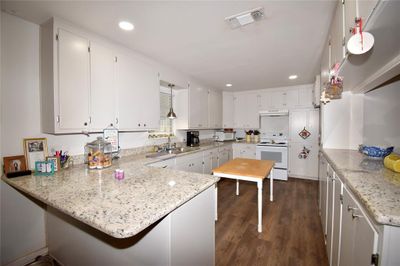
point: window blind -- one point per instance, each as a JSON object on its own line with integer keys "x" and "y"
{"x": 165, "y": 123}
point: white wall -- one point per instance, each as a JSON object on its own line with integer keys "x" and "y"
{"x": 382, "y": 116}
{"x": 342, "y": 122}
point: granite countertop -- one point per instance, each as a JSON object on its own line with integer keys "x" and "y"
{"x": 118, "y": 208}
{"x": 377, "y": 188}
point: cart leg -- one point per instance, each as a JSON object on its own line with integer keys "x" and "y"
{"x": 259, "y": 186}
{"x": 271, "y": 185}
{"x": 216, "y": 202}
{"x": 237, "y": 187}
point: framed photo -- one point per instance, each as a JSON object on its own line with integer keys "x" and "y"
{"x": 14, "y": 164}
{"x": 56, "y": 162}
{"x": 35, "y": 150}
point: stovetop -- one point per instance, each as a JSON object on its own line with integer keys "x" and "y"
{"x": 273, "y": 143}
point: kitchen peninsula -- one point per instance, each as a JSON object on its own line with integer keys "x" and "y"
{"x": 104, "y": 221}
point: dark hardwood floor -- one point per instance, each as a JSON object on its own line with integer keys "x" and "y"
{"x": 292, "y": 231}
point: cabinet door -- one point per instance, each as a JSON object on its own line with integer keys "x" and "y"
{"x": 103, "y": 87}
{"x": 198, "y": 106}
{"x": 215, "y": 109}
{"x": 365, "y": 239}
{"x": 337, "y": 220}
{"x": 305, "y": 97}
{"x": 348, "y": 231}
{"x": 350, "y": 14}
{"x": 138, "y": 95}
{"x": 227, "y": 109}
{"x": 292, "y": 99}
{"x": 307, "y": 167}
{"x": 278, "y": 100}
{"x": 337, "y": 34}
{"x": 73, "y": 81}
{"x": 207, "y": 163}
{"x": 323, "y": 192}
{"x": 304, "y": 118}
{"x": 197, "y": 165}
{"x": 223, "y": 157}
{"x": 246, "y": 111}
{"x": 215, "y": 159}
{"x": 325, "y": 65}
{"x": 248, "y": 152}
{"x": 265, "y": 101}
{"x": 330, "y": 214}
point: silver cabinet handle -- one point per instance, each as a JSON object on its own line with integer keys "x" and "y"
{"x": 165, "y": 166}
{"x": 356, "y": 216}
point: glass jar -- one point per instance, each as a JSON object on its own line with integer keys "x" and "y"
{"x": 98, "y": 154}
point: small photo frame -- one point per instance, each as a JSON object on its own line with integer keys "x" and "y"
{"x": 45, "y": 168}
{"x": 14, "y": 164}
{"x": 35, "y": 150}
{"x": 56, "y": 162}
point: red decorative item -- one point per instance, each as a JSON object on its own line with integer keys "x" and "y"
{"x": 304, "y": 133}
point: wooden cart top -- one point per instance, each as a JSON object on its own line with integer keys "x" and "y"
{"x": 246, "y": 167}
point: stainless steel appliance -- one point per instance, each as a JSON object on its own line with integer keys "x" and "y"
{"x": 224, "y": 136}
{"x": 192, "y": 138}
{"x": 275, "y": 149}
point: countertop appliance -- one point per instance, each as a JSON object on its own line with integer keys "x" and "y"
{"x": 224, "y": 136}
{"x": 282, "y": 112}
{"x": 275, "y": 148}
{"x": 192, "y": 138}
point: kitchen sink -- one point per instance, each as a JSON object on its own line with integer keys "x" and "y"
{"x": 173, "y": 151}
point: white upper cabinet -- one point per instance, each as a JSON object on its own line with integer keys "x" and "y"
{"x": 290, "y": 98}
{"x": 227, "y": 109}
{"x": 215, "y": 109}
{"x": 88, "y": 84}
{"x": 103, "y": 89}
{"x": 138, "y": 95}
{"x": 337, "y": 35}
{"x": 198, "y": 106}
{"x": 246, "y": 113}
{"x": 73, "y": 81}
{"x": 325, "y": 65}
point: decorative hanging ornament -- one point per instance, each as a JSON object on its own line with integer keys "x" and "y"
{"x": 304, "y": 133}
{"x": 361, "y": 42}
{"x": 304, "y": 153}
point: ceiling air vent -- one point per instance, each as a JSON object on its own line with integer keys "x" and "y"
{"x": 245, "y": 18}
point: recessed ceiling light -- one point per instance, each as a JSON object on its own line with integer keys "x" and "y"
{"x": 293, "y": 77}
{"x": 125, "y": 25}
{"x": 228, "y": 85}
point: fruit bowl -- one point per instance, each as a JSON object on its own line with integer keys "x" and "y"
{"x": 375, "y": 151}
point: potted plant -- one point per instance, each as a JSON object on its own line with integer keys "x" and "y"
{"x": 248, "y": 135}
{"x": 256, "y": 136}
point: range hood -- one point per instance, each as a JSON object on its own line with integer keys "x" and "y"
{"x": 274, "y": 113}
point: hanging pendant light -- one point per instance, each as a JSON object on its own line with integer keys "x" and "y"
{"x": 171, "y": 115}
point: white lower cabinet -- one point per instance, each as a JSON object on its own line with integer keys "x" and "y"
{"x": 359, "y": 237}
{"x": 241, "y": 150}
{"x": 190, "y": 163}
{"x": 351, "y": 237}
{"x": 210, "y": 160}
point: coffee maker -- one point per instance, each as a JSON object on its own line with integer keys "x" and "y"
{"x": 192, "y": 138}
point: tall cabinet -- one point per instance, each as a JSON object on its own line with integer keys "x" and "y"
{"x": 299, "y": 120}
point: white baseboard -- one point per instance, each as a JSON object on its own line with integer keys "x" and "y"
{"x": 304, "y": 177}
{"x": 29, "y": 257}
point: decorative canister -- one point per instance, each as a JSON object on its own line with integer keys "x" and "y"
{"x": 98, "y": 154}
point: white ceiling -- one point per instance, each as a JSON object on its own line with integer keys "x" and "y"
{"x": 193, "y": 37}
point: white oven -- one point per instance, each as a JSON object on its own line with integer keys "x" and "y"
{"x": 277, "y": 153}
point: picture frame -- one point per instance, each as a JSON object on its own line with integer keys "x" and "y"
{"x": 35, "y": 149}
{"x": 56, "y": 161}
{"x": 13, "y": 164}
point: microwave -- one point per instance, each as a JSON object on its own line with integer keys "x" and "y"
{"x": 224, "y": 136}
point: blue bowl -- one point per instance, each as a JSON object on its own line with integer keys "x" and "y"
{"x": 376, "y": 152}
